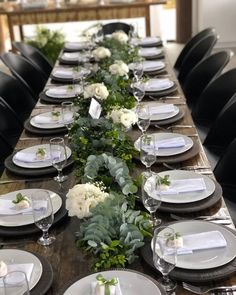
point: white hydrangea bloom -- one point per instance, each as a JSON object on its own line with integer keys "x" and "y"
{"x": 99, "y": 90}
{"x": 119, "y": 68}
{"x": 121, "y": 36}
{"x": 124, "y": 116}
{"x": 101, "y": 52}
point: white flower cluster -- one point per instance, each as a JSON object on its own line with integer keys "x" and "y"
{"x": 82, "y": 197}
{"x": 124, "y": 116}
{"x": 119, "y": 68}
{"x": 101, "y": 52}
{"x": 98, "y": 90}
{"x": 121, "y": 36}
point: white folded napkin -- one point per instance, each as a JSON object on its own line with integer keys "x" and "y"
{"x": 74, "y": 56}
{"x": 43, "y": 119}
{"x": 63, "y": 91}
{"x": 153, "y": 65}
{"x": 163, "y": 109}
{"x": 31, "y": 157}
{"x": 63, "y": 73}
{"x": 149, "y": 40}
{"x": 151, "y": 51}
{"x": 8, "y": 208}
{"x": 170, "y": 143}
{"x": 77, "y": 45}
{"x": 184, "y": 185}
{"x": 27, "y": 268}
{"x": 114, "y": 290}
{"x": 157, "y": 84}
{"x": 202, "y": 241}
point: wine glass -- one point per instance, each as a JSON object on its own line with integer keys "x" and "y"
{"x": 165, "y": 254}
{"x": 138, "y": 90}
{"x": 68, "y": 113}
{"x": 15, "y": 282}
{"x": 138, "y": 69}
{"x": 58, "y": 157}
{"x": 43, "y": 215}
{"x": 143, "y": 115}
{"x": 148, "y": 151}
{"x": 148, "y": 188}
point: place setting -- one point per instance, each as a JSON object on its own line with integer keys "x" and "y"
{"x": 151, "y": 53}
{"x": 147, "y": 41}
{"x": 157, "y": 87}
{"x": 40, "y": 160}
{"x": 24, "y": 272}
{"x": 57, "y": 121}
{"x": 118, "y": 281}
{"x": 18, "y": 216}
{"x": 198, "y": 251}
{"x": 78, "y": 46}
{"x": 69, "y": 75}
{"x": 150, "y": 67}
{"x": 75, "y": 58}
{"x": 58, "y": 94}
{"x": 165, "y": 147}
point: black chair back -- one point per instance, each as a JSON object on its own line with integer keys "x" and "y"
{"x": 14, "y": 93}
{"x": 203, "y": 73}
{"x": 214, "y": 98}
{"x": 35, "y": 57}
{"x": 110, "y": 28}
{"x": 25, "y": 72}
{"x": 5, "y": 151}
{"x": 190, "y": 44}
{"x": 201, "y": 49}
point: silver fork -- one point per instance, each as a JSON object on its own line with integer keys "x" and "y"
{"x": 206, "y": 289}
{"x": 173, "y": 127}
{"x": 185, "y": 167}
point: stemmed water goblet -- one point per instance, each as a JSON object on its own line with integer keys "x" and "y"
{"x": 148, "y": 151}
{"x": 138, "y": 69}
{"x": 165, "y": 255}
{"x": 43, "y": 215}
{"x": 143, "y": 115}
{"x": 148, "y": 189}
{"x": 68, "y": 114}
{"x": 138, "y": 90}
{"x": 58, "y": 157}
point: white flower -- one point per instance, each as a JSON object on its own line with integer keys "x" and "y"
{"x": 124, "y": 116}
{"x": 82, "y": 197}
{"x": 101, "y": 52}
{"x": 119, "y": 68}
{"x": 121, "y": 36}
{"x": 99, "y": 90}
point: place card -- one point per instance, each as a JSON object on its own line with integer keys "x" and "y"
{"x": 95, "y": 109}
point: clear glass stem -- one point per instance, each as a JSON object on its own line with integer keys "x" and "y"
{"x": 45, "y": 234}
{"x": 60, "y": 175}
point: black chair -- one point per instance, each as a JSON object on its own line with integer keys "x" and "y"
{"x": 25, "y": 72}
{"x": 6, "y": 150}
{"x": 225, "y": 175}
{"x": 203, "y": 73}
{"x": 190, "y": 44}
{"x": 35, "y": 57}
{"x": 10, "y": 126}
{"x": 214, "y": 98}
{"x": 222, "y": 132}
{"x": 201, "y": 49}
{"x": 110, "y": 28}
{"x": 14, "y": 93}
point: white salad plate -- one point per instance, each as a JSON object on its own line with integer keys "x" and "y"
{"x": 148, "y": 41}
{"x": 131, "y": 283}
{"x": 65, "y": 91}
{"x": 150, "y": 51}
{"x": 14, "y": 256}
{"x": 165, "y": 152}
{"x": 155, "y": 85}
{"x": 208, "y": 258}
{"x": 183, "y": 197}
{"x": 53, "y": 125}
{"x": 24, "y": 219}
{"x": 38, "y": 164}
{"x": 161, "y": 116}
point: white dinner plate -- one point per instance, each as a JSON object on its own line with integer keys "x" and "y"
{"x": 65, "y": 91}
{"x": 41, "y": 164}
{"x": 186, "y": 197}
{"x": 53, "y": 125}
{"x": 163, "y": 116}
{"x": 150, "y": 51}
{"x": 150, "y": 66}
{"x": 14, "y": 256}
{"x": 131, "y": 283}
{"x": 25, "y": 219}
{"x": 210, "y": 258}
{"x": 165, "y": 152}
{"x": 147, "y": 41}
{"x": 77, "y": 45}
{"x": 74, "y": 56}
{"x": 155, "y": 85}
{"x": 67, "y": 73}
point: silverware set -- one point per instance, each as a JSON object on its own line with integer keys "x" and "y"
{"x": 194, "y": 167}
{"x": 223, "y": 220}
{"x": 205, "y": 289}
{"x": 24, "y": 180}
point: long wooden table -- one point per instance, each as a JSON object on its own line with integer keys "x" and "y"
{"x": 67, "y": 261}
{"x": 66, "y": 12}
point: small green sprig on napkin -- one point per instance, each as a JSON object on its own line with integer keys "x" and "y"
{"x": 165, "y": 180}
{"x": 107, "y": 283}
{"x": 19, "y": 198}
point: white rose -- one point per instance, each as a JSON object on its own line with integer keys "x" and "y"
{"x": 115, "y": 115}
{"x": 128, "y": 118}
{"x": 119, "y": 68}
{"x": 101, "y": 52}
{"x": 99, "y": 90}
{"x": 121, "y": 36}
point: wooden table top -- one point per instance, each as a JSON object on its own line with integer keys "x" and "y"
{"x": 67, "y": 261}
